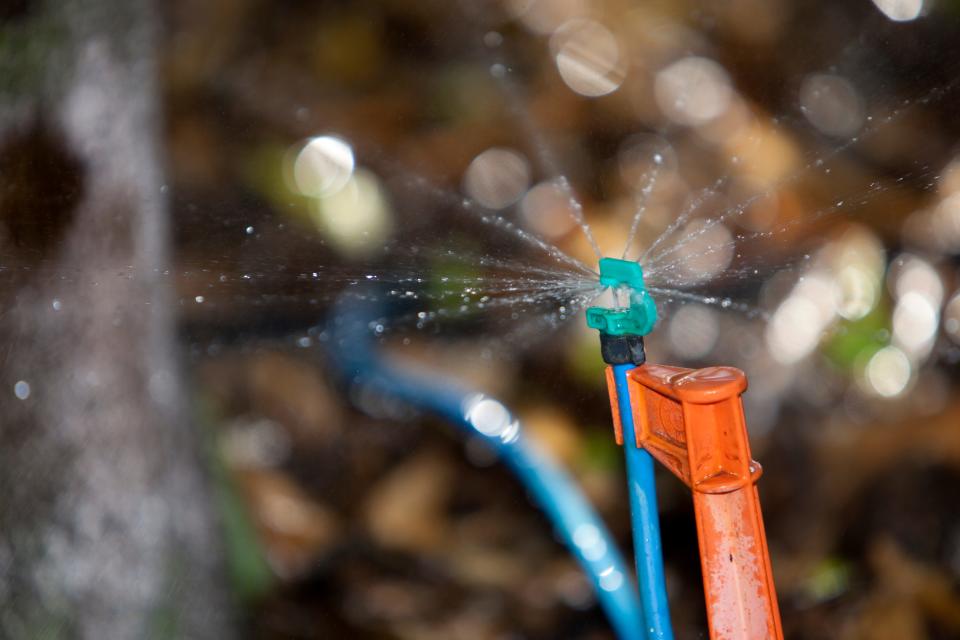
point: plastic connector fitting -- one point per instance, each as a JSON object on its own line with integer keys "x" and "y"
{"x": 637, "y": 319}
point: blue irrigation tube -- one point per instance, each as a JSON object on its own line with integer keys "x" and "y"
{"x": 576, "y": 523}
{"x": 644, "y": 518}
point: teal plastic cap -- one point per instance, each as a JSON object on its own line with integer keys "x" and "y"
{"x": 637, "y": 319}
{"x": 621, "y": 273}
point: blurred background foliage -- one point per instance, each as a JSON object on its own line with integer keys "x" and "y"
{"x": 304, "y": 136}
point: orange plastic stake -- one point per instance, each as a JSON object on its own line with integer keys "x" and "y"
{"x": 692, "y": 422}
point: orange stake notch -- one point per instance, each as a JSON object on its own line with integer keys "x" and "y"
{"x": 692, "y": 422}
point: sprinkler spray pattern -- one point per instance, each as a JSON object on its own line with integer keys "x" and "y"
{"x": 500, "y": 268}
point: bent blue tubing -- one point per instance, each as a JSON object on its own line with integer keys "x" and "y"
{"x": 551, "y": 488}
{"x": 644, "y": 518}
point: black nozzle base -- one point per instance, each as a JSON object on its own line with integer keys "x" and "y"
{"x": 622, "y": 349}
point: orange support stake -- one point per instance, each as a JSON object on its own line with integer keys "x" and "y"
{"x": 692, "y": 422}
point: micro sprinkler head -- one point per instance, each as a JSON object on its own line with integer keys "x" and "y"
{"x": 622, "y": 328}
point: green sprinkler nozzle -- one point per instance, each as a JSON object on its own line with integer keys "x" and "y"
{"x": 639, "y": 317}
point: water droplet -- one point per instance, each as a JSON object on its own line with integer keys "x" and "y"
{"x": 21, "y": 389}
{"x": 249, "y": 230}
{"x": 56, "y": 304}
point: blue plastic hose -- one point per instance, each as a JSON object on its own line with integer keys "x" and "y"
{"x": 644, "y": 519}
{"x": 576, "y": 523}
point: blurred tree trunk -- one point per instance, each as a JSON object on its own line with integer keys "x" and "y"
{"x": 106, "y": 529}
